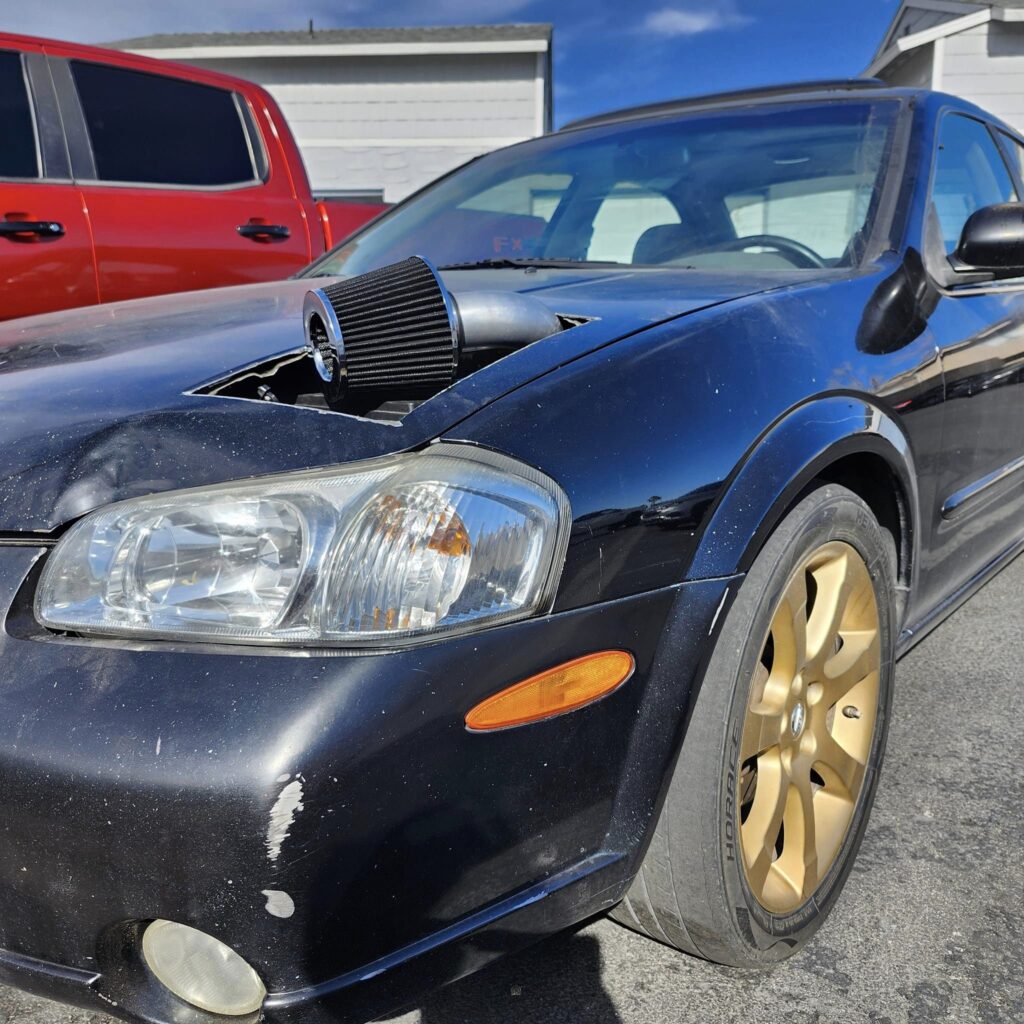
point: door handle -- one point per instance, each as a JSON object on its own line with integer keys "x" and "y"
{"x": 264, "y": 232}
{"x": 38, "y": 228}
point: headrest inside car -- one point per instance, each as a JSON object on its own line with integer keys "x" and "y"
{"x": 662, "y": 243}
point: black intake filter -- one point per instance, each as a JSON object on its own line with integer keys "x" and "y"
{"x": 391, "y": 331}
{"x": 397, "y": 333}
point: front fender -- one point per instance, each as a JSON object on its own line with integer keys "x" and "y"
{"x": 681, "y": 445}
{"x": 795, "y": 450}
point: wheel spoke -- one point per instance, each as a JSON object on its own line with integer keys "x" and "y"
{"x": 857, "y": 659}
{"x": 758, "y": 868}
{"x": 789, "y": 629}
{"x": 840, "y": 764}
{"x": 759, "y": 832}
{"x": 835, "y": 582}
{"x": 805, "y": 795}
{"x": 762, "y": 730}
{"x": 798, "y": 864}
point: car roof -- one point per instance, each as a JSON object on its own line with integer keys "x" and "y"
{"x": 772, "y": 94}
{"x": 124, "y": 59}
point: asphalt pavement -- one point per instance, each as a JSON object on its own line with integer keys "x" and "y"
{"x": 930, "y": 927}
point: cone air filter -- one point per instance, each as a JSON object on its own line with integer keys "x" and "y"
{"x": 390, "y": 331}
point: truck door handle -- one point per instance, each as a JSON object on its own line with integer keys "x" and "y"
{"x": 38, "y": 228}
{"x": 264, "y": 232}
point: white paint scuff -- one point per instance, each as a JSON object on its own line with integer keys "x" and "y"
{"x": 718, "y": 611}
{"x": 279, "y": 903}
{"x": 282, "y": 817}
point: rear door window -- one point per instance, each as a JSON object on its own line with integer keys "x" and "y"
{"x": 155, "y": 130}
{"x": 19, "y": 155}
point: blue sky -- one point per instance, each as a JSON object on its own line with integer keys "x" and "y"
{"x": 608, "y": 53}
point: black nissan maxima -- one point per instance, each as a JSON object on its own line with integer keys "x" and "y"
{"x": 545, "y": 549}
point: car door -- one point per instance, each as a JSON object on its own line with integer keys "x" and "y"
{"x": 182, "y": 193}
{"x": 46, "y": 255}
{"x": 980, "y": 333}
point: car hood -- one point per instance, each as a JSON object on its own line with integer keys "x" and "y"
{"x": 100, "y": 404}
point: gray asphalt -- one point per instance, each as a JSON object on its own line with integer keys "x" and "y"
{"x": 930, "y": 927}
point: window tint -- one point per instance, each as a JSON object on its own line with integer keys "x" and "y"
{"x": 18, "y": 157}
{"x": 161, "y": 131}
{"x": 824, "y": 213}
{"x": 969, "y": 174}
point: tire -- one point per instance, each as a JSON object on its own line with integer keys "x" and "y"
{"x": 696, "y": 886}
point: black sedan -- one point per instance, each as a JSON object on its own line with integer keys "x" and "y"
{"x": 546, "y": 549}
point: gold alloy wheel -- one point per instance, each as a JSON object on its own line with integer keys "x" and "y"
{"x": 808, "y": 729}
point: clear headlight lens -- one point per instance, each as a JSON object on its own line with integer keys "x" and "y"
{"x": 391, "y": 550}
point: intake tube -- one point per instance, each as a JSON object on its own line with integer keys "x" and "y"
{"x": 502, "y": 319}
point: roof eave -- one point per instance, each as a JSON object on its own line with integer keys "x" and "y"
{"x": 186, "y": 53}
{"x": 948, "y": 28}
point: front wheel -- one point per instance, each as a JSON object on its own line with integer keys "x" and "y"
{"x": 771, "y": 794}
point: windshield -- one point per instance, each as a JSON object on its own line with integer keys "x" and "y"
{"x": 774, "y": 188}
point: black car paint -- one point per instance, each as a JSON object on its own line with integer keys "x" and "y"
{"x": 138, "y": 778}
{"x": 152, "y": 431}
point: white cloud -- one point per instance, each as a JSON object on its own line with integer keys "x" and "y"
{"x": 679, "y": 21}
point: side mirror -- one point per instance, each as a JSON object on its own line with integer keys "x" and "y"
{"x": 992, "y": 242}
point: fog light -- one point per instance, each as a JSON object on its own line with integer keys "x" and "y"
{"x": 201, "y": 970}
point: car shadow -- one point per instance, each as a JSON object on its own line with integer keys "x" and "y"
{"x": 557, "y": 980}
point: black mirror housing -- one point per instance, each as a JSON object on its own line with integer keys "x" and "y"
{"x": 992, "y": 242}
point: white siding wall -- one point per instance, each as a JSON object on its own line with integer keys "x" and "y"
{"x": 986, "y": 66}
{"x": 398, "y": 122}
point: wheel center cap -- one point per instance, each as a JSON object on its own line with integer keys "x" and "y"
{"x": 797, "y": 719}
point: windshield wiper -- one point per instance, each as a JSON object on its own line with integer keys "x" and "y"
{"x": 505, "y": 262}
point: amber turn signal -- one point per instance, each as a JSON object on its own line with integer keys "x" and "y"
{"x": 553, "y": 692}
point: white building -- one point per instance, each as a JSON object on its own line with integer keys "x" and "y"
{"x": 378, "y": 113}
{"x": 973, "y": 50}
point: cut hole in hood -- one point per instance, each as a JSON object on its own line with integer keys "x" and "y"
{"x": 379, "y": 344}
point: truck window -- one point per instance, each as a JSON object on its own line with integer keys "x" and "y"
{"x": 154, "y": 130}
{"x": 18, "y": 153}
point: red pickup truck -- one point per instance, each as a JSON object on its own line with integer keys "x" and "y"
{"x": 122, "y": 176}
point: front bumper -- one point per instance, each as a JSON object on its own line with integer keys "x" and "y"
{"x": 199, "y": 784}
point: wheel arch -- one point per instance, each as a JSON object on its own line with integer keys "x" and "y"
{"x": 842, "y": 439}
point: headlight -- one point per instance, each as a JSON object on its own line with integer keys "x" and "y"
{"x": 401, "y": 548}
